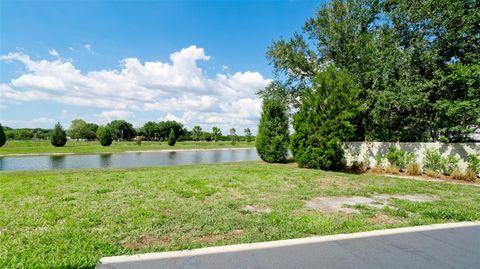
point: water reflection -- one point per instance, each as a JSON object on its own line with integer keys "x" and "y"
{"x": 57, "y": 161}
{"x": 105, "y": 160}
{"x": 126, "y": 159}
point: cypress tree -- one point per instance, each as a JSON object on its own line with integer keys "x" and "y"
{"x": 324, "y": 120}
{"x": 105, "y": 136}
{"x": 272, "y": 139}
{"x": 3, "y": 137}
{"x": 172, "y": 139}
{"x": 59, "y": 136}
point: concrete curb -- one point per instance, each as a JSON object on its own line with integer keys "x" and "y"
{"x": 106, "y": 261}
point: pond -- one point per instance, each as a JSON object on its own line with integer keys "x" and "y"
{"x": 120, "y": 160}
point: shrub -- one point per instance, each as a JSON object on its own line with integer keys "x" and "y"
{"x": 324, "y": 120}
{"x": 414, "y": 169}
{"x": 272, "y": 139}
{"x": 171, "y": 138}
{"x": 358, "y": 167}
{"x": 59, "y": 136}
{"x": 474, "y": 162}
{"x": 392, "y": 169}
{"x": 457, "y": 174}
{"x": 138, "y": 140}
{"x": 470, "y": 175}
{"x": 432, "y": 173}
{"x": 3, "y": 137}
{"x": 105, "y": 136}
{"x": 379, "y": 161}
{"x": 399, "y": 158}
{"x": 450, "y": 163}
{"x": 433, "y": 161}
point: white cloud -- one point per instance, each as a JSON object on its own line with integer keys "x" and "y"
{"x": 180, "y": 89}
{"x": 54, "y": 53}
{"x": 88, "y": 47}
{"x": 107, "y": 116}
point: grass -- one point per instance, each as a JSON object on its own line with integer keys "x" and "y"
{"x": 71, "y": 218}
{"x": 44, "y": 147}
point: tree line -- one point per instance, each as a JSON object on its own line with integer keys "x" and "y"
{"x": 372, "y": 70}
{"x": 121, "y": 130}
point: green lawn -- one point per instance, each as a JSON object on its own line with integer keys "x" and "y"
{"x": 71, "y": 218}
{"x": 40, "y": 147}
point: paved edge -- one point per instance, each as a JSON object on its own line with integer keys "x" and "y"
{"x": 279, "y": 243}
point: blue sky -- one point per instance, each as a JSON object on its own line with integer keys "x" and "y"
{"x": 199, "y": 62}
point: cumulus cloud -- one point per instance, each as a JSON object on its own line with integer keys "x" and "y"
{"x": 54, "y": 53}
{"x": 179, "y": 89}
{"x": 108, "y": 116}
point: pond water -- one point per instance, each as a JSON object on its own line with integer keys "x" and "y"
{"x": 119, "y": 160}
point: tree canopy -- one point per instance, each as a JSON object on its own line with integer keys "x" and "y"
{"x": 416, "y": 64}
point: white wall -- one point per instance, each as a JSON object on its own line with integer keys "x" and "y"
{"x": 361, "y": 151}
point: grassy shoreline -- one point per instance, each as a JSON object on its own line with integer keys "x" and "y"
{"x": 19, "y": 148}
{"x": 71, "y": 218}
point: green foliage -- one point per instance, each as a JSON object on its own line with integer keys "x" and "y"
{"x": 416, "y": 65}
{"x": 171, "y": 138}
{"x": 121, "y": 130}
{"x": 435, "y": 162}
{"x": 3, "y": 137}
{"x": 323, "y": 121}
{"x": 248, "y": 134}
{"x": 59, "y": 136}
{"x": 105, "y": 136}
{"x": 233, "y": 136}
{"x": 272, "y": 138}
{"x": 79, "y": 129}
{"x": 154, "y": 131}
{"x": 399, "y": 158}
{"x": 474, "y": 162}
{"x": 216, "y": 134}
{"x": 196, "y": 133}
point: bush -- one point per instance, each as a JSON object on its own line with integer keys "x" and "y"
{"x": 399, "y": 158}
{"x": 432, "y": 173}
{"x": 379, "y": 161}
{"x": 474, "y": 162}
{"x": 414, "y": 169}
{"x": 392, "y": 169}
{"x": 323, "y": 121}
{"x": 272, "y": 139}
{"x": 470, "y": 175}
{"x": 3, "y": 137}
{"x": 104, "y": 136}
{"x": 450, "y": 163}
{"x": 59, "y": 136}
{"x": 457, "y": 174}
{"x": 171, "y": 138}
{"x": 433, "y": 161}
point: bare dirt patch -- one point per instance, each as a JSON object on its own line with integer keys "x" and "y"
{"x": 256, "y": 209}
{"x": 147, "y": 241}
{"x": 383, "y": 219}
{"x": 344, "y": 204}
{"x": 338, "y": 204}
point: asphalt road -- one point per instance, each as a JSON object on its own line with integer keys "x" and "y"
{"x": 457, "y": 247}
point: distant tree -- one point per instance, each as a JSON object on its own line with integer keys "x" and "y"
{"x": 151, "y": 130}
{"x": 273, "y": 139}
{"x": 3, "y": 137}
{"x": 59, "y": 136}
{"x": 79, "y": 129}
{"x": 216, "y": 134}
{"x": 196, "y": 132}
{"x": 171, "y": 138}
{"x": 324, "y": 120}
{"x": 121, "y": 130}
{"x": 165, "y": 126}
{"x": 248, "y": 134}
{"x": 233, "y": 136}
{"x": 206, "y": 136}
{"x": 105, "y": 136}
